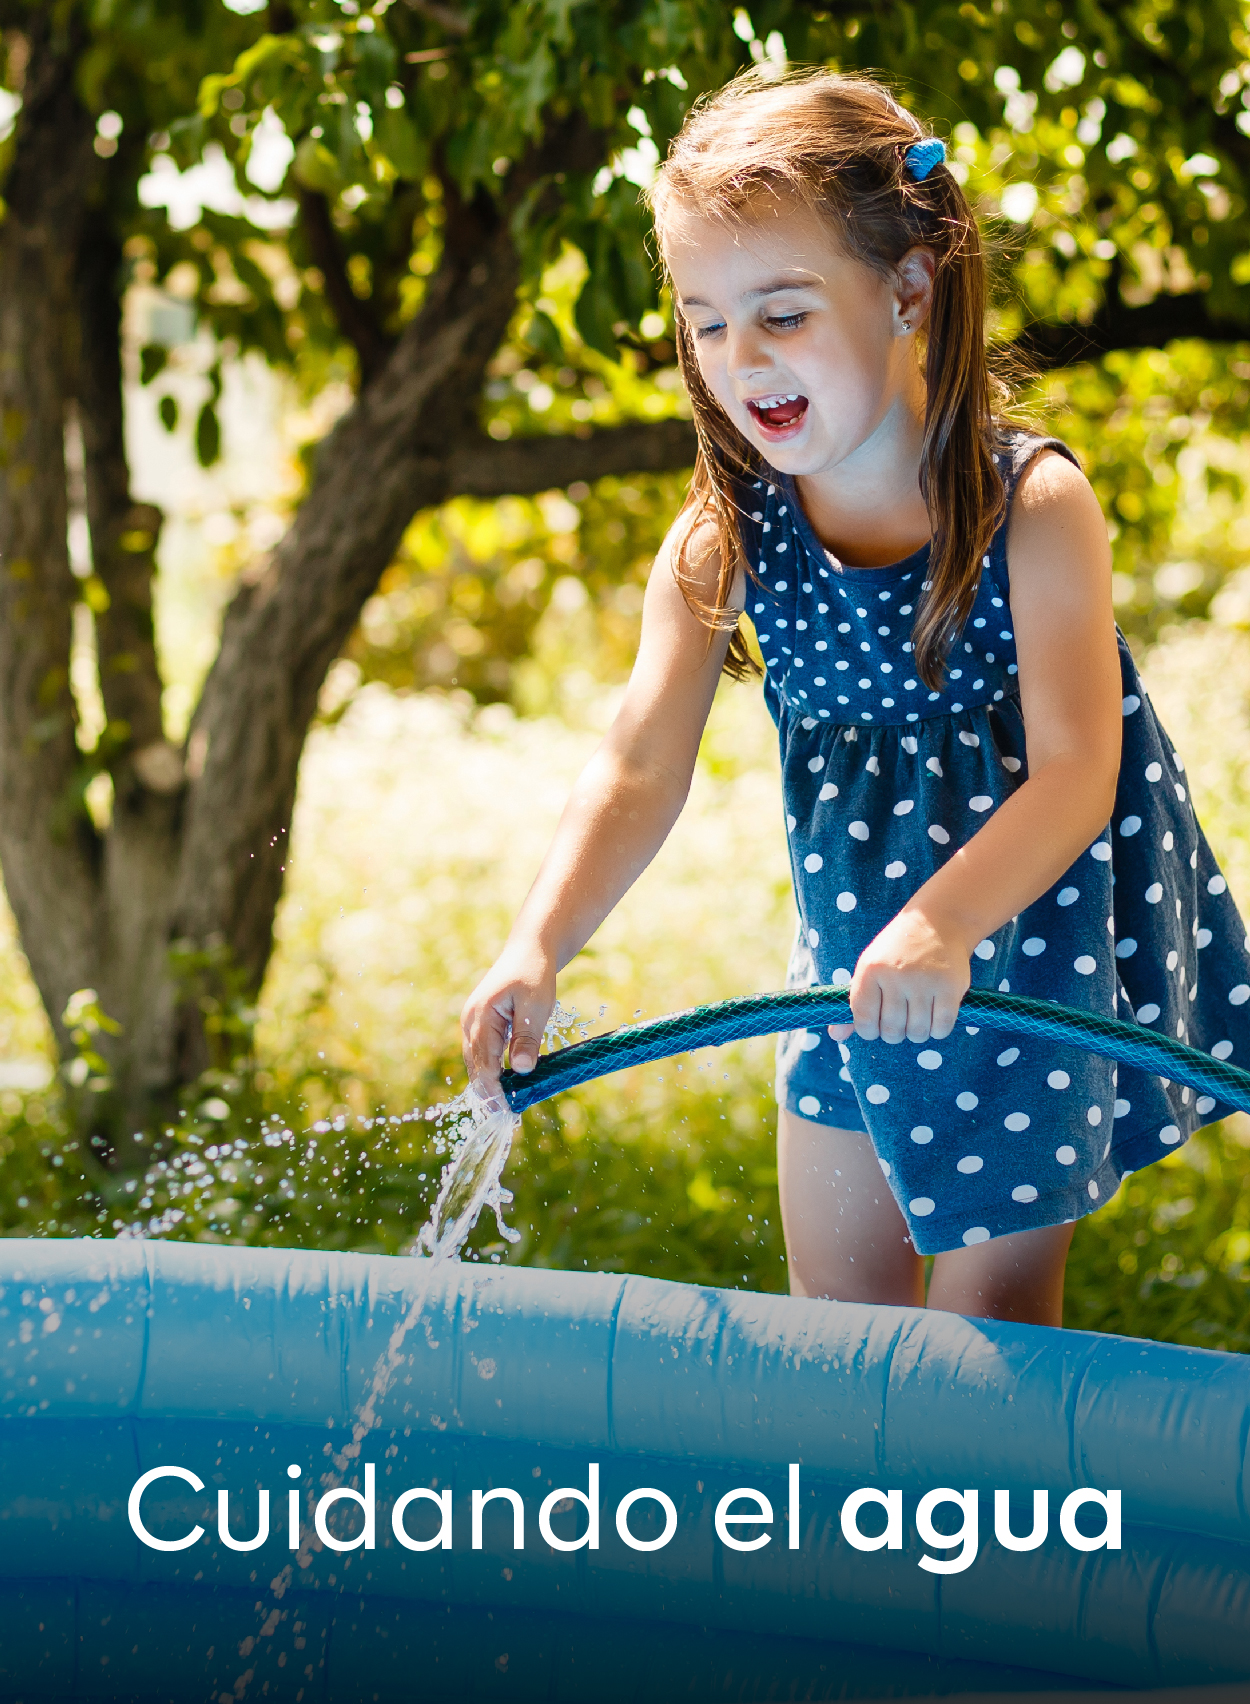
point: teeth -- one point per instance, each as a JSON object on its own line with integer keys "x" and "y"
{"x": 772, "y": 401}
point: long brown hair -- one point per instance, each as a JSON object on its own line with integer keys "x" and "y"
{"x": 837, "y": 144}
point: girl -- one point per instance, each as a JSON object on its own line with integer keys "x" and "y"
{"x": 976, "y": 787}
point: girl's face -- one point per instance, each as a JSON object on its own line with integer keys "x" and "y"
{"x": 801, "y": 345}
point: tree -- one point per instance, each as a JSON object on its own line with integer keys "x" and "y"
{"x": 434, "y": 160}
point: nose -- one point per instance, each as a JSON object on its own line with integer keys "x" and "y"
{"x": 747, "y": 355}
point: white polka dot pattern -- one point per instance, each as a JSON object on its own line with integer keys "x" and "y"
{"x": 885, "y": 780}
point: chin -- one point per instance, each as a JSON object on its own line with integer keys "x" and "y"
{"x": 798, "y": 460}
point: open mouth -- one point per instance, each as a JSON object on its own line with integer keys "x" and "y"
{"x": 778, "y": 413}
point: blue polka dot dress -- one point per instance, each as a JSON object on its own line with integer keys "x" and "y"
{"x": 980, "y": 1134}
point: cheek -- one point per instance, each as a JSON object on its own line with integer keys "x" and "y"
{"x": 854, "y": 372}
{"x": 710, "y": 367}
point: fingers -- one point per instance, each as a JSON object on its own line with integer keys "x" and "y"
{"x": 484, "y": 1035}
{"x": 866, "y": 1006}
{"x": 529, "y": 1020}
{"x": 945, "y": 1013}
{"x": 885, "y": 1009}
{"x": 892, "y": 1019}
{"x": 920, "y": 1018}
{"x": 507, "y": 1012}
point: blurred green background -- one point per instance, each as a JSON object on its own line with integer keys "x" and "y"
{"x": 490, "y": 658}
{"x": 423, "y": 811}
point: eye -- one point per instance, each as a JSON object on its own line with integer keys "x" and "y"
{"x": 702, "y": 331}
{"x": 787, "y": 322}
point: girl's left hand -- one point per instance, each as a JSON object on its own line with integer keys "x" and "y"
{"x": 908, "y": 982}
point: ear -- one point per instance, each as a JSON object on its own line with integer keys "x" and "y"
{"x": 913, "y": 289}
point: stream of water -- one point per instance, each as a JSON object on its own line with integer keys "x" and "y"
{"x": 479, "y": 1132}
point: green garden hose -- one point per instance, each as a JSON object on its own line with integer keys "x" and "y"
{"x": 765, "y": 1014}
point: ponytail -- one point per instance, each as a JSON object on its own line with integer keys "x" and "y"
{"x": 961, "y": 486}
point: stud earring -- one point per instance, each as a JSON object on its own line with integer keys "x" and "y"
{"x": 906, "y": 324}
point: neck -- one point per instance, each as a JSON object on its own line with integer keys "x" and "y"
{"x": 868, "y": 509}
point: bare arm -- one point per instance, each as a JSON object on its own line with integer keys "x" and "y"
{"x": 910, "y": 979}
{"x": 625, "y": 802}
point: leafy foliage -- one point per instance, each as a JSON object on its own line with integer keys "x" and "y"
{"x": 483, "y": 597}
{"x": 291, "y": 175}
{"x": 1128, "y": 121}
{"x": 1161, "y": 436}
{"x": 667, "y": 1170}
{"x": 602, "y": 1184}
{"x": 287, "y": 172}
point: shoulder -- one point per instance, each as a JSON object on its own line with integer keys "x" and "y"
{"x": 692, "y": 554}
{"x": 1055, "y": 518}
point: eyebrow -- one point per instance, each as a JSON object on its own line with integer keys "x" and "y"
{"x": 773, "y": 289}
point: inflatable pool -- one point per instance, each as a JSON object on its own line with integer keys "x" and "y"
{"x": 243, "y": 1474}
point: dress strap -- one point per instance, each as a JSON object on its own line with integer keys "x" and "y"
{"x": 1014, "y": 453}
{"x": 1018, "y": 449}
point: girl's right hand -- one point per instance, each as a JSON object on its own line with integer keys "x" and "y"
{"x": 511, "y": 1004}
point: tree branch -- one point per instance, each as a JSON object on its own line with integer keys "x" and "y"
{"x": 355, "y": 318}
{"x": 384, "y": 460}
{"x": 1045, "y": 346}
{"x": 518, "y": 467}
{"x": 522, "y": 466}
{"x": 455, "y": 23}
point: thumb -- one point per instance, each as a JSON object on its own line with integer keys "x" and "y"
{"x": 529, "y": 1019}
{"x": 840, "y": 1032}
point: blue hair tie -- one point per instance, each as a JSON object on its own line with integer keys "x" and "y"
{"x": 921, "y": 157}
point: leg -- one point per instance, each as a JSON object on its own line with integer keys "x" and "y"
{"x": 1018, "y": 1277}
{"x": 845, "y": 1237}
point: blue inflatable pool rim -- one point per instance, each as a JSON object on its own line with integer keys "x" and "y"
{"x": 118, "y": 1357}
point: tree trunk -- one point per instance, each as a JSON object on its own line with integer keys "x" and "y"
{"x": 135, "y": 983}
{"x": 392, "y": 454}
{"x": 51, "y": 855}
{"x": 169, "y": 914}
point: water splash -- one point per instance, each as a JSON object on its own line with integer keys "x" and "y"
{"x": 473, "y": 1177}
{"x": 480, "y": 1132}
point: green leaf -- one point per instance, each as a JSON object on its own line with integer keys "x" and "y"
{"x": 211, "y": 90}
{"x": 207, "y": 436}
{"x": 351, "y": 154}
{"x": 152, "y": 359}
{"x": 316, "y": 167}
{"x": 167, "y": 409}
{"x": 595, "y": 315}
{"x": 375, "y": 66}
{"x": 543, "y": 337}
{"x": 395, "y": 136}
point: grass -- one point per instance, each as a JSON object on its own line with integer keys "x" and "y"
{"x": 417, "y": 831}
